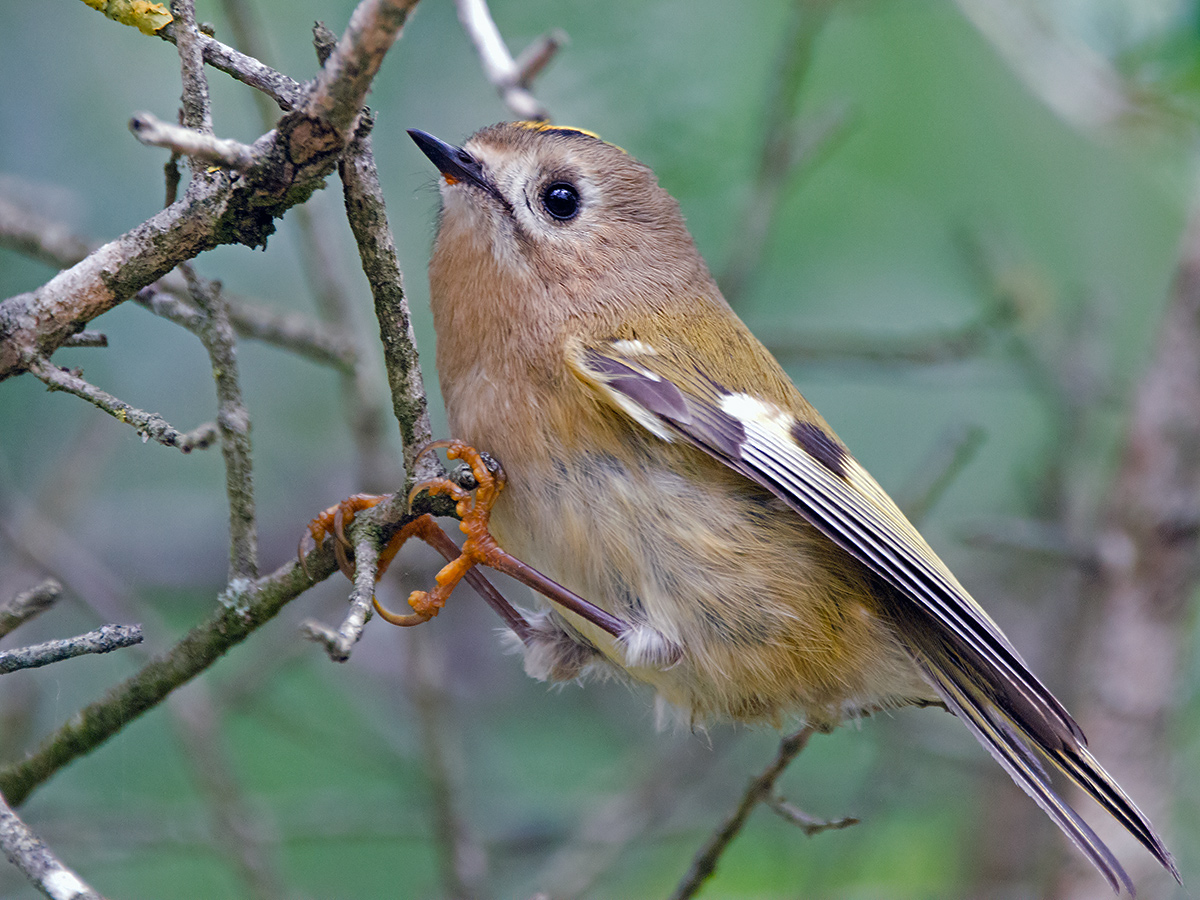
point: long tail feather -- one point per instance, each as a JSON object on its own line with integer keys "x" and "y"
{"x": 1082, "y": 768}
{"x": 993, "y": 730}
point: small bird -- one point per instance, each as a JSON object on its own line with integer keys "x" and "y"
{"x": 662, "y": 466}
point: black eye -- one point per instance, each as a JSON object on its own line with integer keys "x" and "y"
{"x": 561, "y": 200}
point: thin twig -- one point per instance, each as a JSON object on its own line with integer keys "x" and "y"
{"x": 103, "y": 640}
{"x": 810, "y": 825}
{"x": 758, "y": 791}
{"x": 29, "y": 853}
{"x": 205, "y": 148}
{"x": 148, "y": 425}
{"x": 499, "y": 67}
{"x": 233, "y": 420}
{"x": 286, "y": 92}
{"x": 89, "y": 339}
{"x": 338, "y": 644}
{"x": 367, "y": 213}
{"x": 534, "y": 58}
{"x": 197, "y": 111}
{"x": 23, "y": 607}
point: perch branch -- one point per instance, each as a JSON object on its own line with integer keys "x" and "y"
{"x": 367, "y": 214}
{"x": 338, "y": 644}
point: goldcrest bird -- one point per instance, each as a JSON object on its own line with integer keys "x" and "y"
{"x": 661, "y": 465}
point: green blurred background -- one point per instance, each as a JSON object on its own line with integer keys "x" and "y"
{"x": 948, "y": 188}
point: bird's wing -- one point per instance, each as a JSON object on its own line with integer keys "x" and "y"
{"x": 968, "y": 660}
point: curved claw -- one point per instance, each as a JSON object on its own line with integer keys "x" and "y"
{"x": 424, "y": 608}
{"x": 404, "y": 621}
{"x": 334, "y": 521}
{"x": 305, "y": 546}
{"x": 345, "y": 563}
{"x": 442, "y": 444}
{"x": 437, "y": 486}
{"x": 339, "y": 525}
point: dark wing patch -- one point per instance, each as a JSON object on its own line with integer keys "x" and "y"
{"x": 820, "y": 446}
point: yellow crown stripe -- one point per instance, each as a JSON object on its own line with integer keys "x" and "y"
{"x": 544, "y": 126}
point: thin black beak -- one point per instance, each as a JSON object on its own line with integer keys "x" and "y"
{"x": 455, "y": 163}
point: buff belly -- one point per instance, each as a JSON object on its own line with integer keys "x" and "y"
{"x": 772, "y": 619}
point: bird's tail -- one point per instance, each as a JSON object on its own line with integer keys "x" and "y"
{"x": 983, "y": 705}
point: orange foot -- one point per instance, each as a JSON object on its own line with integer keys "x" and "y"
{"x": 474, "y": 508}
{"x": 334, "y": 521}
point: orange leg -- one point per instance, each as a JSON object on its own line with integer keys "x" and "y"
{"x": 474, "y": 508}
